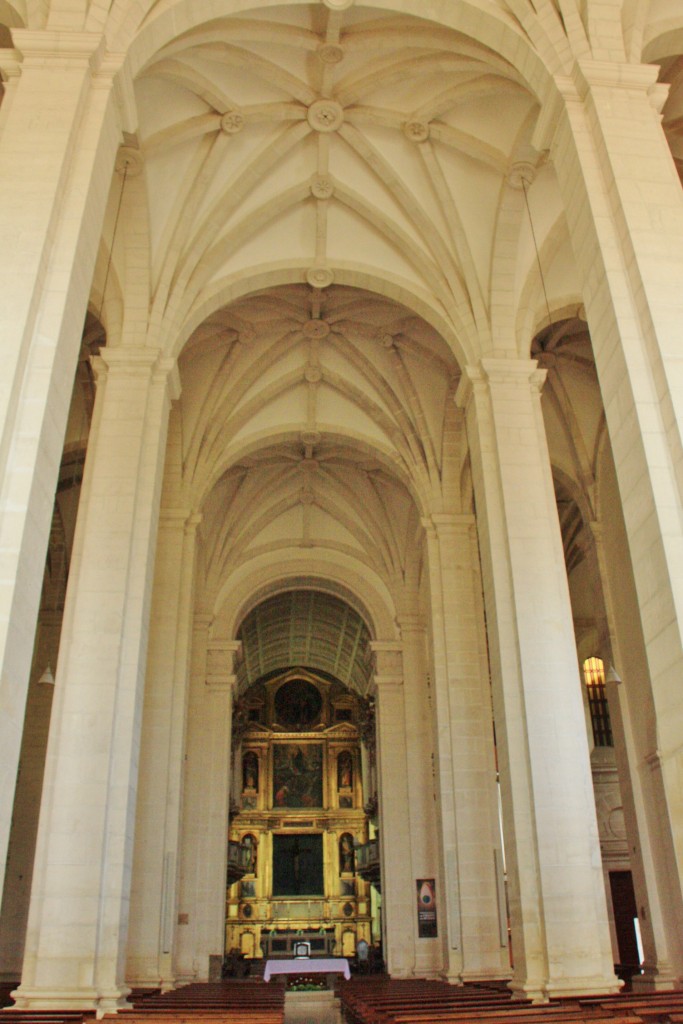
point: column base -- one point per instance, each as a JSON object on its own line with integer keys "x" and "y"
{"x": 71, "y": 999}
{"x": 542, "y": 992}
{"x": 400, "y": 972}
{"x": 654, "y": 978}
{"x": 453, "y": 977}
{"x": 486, "y": 975}
{"x": 595, "y": 986}
{"x": 528, "y": 990}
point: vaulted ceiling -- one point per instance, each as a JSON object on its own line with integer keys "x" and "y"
{"x": 316, "y": 419}
{"x": 305, "y": 629}
{"x": 306, "y": 137}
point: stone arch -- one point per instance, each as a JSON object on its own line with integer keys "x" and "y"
{"x": 350, "y": 439}
{"x": 12, "y": 15}
{"x": 238, "y": 598}
{"x": 662, "y": 39}
{"x": 488, "y": 28}
{"x": 259, "y": 279}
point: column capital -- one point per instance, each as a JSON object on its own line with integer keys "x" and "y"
{"x": 387, "y": 657}
{"x": 135, "y": 363}
{"x": 220, "y": 663}
{"x": 449, "y": 522}
{"x": 180, "y": 518}
{"x": 383, "y": 683}
{"x": 202, "y": 621}
{"x": 588, "y": 73}
{"x": 224, "y": 684}
{"x": 499, "y": 372}
{"x": 10, "y": 64}
{"x": 58, "y": 49}
{"x": 411, "y": 624}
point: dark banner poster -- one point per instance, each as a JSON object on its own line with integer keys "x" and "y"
{"x": 426, "y": 908}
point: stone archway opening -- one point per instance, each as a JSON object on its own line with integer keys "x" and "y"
{"x": 303, "y": 862}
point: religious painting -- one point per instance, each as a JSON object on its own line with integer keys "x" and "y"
{"x": 298, "y": 864}
{"x": 297, "y": 775}
{"x": 426, "y": 908}
{"x": 298, "y": 704}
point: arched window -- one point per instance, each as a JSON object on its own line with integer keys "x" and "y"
{"x": 594, "y": 678}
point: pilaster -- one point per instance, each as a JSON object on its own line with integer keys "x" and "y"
{"x": 558, "y": 912}
{"x": 465, "y": 763}
{"x": 398, "y": 886}
{"x": 79, "y": 904}
{"x": 625, "y": 213}
{"x": 156, "y": 860}
{"x": 51, "y": 213}
{"x": 643, "y": 826}
{"x": 424, "y": 845}
{"x": 206, "y": 802}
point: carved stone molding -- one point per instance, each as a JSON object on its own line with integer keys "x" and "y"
{"x": 330, "y": 53}
{"x": 232, "y": 122}
{"x": 315, "y": 329}
{"x": 322, "y": 186}
{"x": 325, "y": 115}
{"x": 416, "y": 131}
{"x": 319, "y": 276}
{"x": 220, "y": 663}
{"x": 129, "y": 160}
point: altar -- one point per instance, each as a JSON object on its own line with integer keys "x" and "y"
{"x": 307, "y": 965}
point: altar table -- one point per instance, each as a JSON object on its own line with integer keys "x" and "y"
{"x": 307, "y": 965}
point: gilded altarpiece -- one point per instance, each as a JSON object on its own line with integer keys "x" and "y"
{"x": 297, "y": 804}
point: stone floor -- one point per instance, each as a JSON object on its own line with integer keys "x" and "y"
{"x": 312, "y": 1008}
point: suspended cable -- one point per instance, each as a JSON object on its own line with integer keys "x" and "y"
{"x": 538, "y": 257}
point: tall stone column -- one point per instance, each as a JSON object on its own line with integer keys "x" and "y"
{"x": 206, "y": 804}
{"x": 399, "y": 897}
{"x": 78, "y": 916}
{"x": 624, "y": 208}
{"x": 424, "y": 845}
{"x": 475, "y": 945}
{"x": 623, "y": 646}
{"x": 560, "y": 935}
{"x": 51, "y": 212}
{"x": 154, "y": 892}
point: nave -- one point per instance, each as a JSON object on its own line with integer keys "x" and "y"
{"x": 368, "y": 1000}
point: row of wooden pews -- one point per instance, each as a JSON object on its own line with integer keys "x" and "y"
{"x": 226, "y": 1002}
{"x": 383, "y": 1001}
{"x": 237, "y": 1002}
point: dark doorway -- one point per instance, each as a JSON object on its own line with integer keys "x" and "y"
{"x": 625, "y": 912}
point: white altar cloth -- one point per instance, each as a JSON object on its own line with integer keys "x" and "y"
{"x": 308, "y": 965}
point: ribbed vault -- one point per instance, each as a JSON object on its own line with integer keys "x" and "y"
{"x": 313, "y": 420}
{"x": 318, "y": 139}
{"x": 304, "y": 629}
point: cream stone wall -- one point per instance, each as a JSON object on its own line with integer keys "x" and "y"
{"x": 307, "y": 228}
